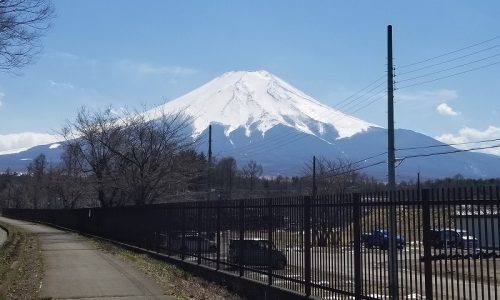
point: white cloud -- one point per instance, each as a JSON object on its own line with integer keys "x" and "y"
{"x": 63, "y": 85}
{"x": 2, "y": 96}
{"x": 145, "y": 69}
{"x": 467, "y": 134}
{"x": 15, "y": 141}
{"x": 446, "y": 110}
{"x": 426, "y": 97}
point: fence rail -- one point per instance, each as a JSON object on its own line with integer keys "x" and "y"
{"x": 331, "y": 247}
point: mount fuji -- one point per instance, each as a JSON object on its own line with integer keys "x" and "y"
{"x": 258, "y": 116}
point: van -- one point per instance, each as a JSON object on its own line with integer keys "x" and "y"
{"x": 256, "y": 252}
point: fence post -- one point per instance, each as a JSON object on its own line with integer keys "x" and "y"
{"x": 358, "y": 287}
{"x": 307, "y": 245}
{"x": 269, "y": 238}
{"x": 198, "y": 228}
{"x": 242, "y": 236}
{"x": 218, "y": 233}
{"x": 426, "y": 212}
{"x": 183, "y": 232}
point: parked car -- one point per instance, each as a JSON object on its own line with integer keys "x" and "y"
{"x": 190, "y": 244}
{"x": 452, "y": 238}
{"x": 380, "y": 238}
{"x": 256, "y": 252}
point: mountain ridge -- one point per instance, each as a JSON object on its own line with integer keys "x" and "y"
{"x": 258, "y": 116}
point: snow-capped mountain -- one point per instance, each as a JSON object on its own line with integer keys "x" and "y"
{"x": 260, "y": 101}
{"x": 258, "y": 116}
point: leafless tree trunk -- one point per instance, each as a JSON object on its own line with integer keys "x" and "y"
{"x": 252, "y": 171}
{"x": 90, "y": 136}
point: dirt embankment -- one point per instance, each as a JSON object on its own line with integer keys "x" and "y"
{"x": 20, "y": 265}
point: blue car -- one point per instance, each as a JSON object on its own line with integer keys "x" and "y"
{"x": 380, "y": 238}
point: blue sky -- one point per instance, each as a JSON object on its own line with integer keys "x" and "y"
{"x": 141, "y": 53}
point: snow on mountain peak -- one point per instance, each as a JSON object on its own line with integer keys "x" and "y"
{"x": 258, "y": 100}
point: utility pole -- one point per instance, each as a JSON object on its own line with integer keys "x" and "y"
{"x": 393, "y": 252}
{"x": 209, "y": 171}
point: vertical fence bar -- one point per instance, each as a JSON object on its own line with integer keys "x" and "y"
{"x": 183, "y": 232}
{"x": 242, "y": 246}
{"x": 358, "y": 287}
{"x": 270, "y": 239}
{"x": 199, "y": 235}
{"x": 427, "y": 243}
{"x": 307, "y": 245}
{"x": 219, "y": 204}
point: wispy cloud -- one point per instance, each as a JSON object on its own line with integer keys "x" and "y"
{"x": 446, "y": 110}
{"x": 428, "y": 97}
{"x": 146, "y": 69}
{"x": 467, "y": 134}
{"x": 11, "y": 142}
{"x": 2, "y": 96}
{"x": 63, "y": 85}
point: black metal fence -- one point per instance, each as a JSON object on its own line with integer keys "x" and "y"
{"x": 331, "y": 247}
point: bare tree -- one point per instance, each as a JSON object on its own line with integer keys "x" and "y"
{"x": 333, "y": 177}
{"x": 224, "y": 174}
{"x": 90, "y": 138}
{"x": 22, "y": 24}
{"x": 252, "y": 170}
{"x": 37, "y": 169}
{"x": 134, "y": 158}
{"x": 154, "y": 156}
{"x": 67, "y": 184}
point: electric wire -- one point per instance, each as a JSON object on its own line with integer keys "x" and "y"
{"x": 361, "y": 90}
{"x": 448, "y": 76}
{"x": 448, "y": 69}
{"x": 299, "y": 135}
{"x": 449, "y": 53}
{"x": 447, "y": 61}
{"x": 451, "y": 152}
{"x": 354, "y": 170}
{"x": 446, "y": 145}
{"x": 292, "y": 134}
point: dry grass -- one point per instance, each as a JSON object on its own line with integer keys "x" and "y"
{"x": 179, "y": 283}
{"x": 20, "y": 265}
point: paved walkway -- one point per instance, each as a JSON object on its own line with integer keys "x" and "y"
{"x": 75, "y": 269}
{"x": 3, "y": 236}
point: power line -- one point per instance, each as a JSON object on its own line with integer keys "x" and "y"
{"x": 354, "y": 170}
{"x": 297, "y": 136}
{"x": 291, "y": 136}
{"x": 448, "y": 53}
{"x": 447, "y": 61}
{"x": 446, "y": 145}
{"x": 451, "y": 75}
{"x": 448, "y": 69}
{"x": 451, "y": 152}
{"x": 340, "y": 107}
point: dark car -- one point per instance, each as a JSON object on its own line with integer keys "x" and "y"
{"x": 256, "y": 252}
{"x": 190, "y": 244}
{"x": 452, "y": 238}
{"x": 380, "y": 238}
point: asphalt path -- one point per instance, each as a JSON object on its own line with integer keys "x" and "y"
{"x": 75, "y": 269}
{"x": 3, "y": 236}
